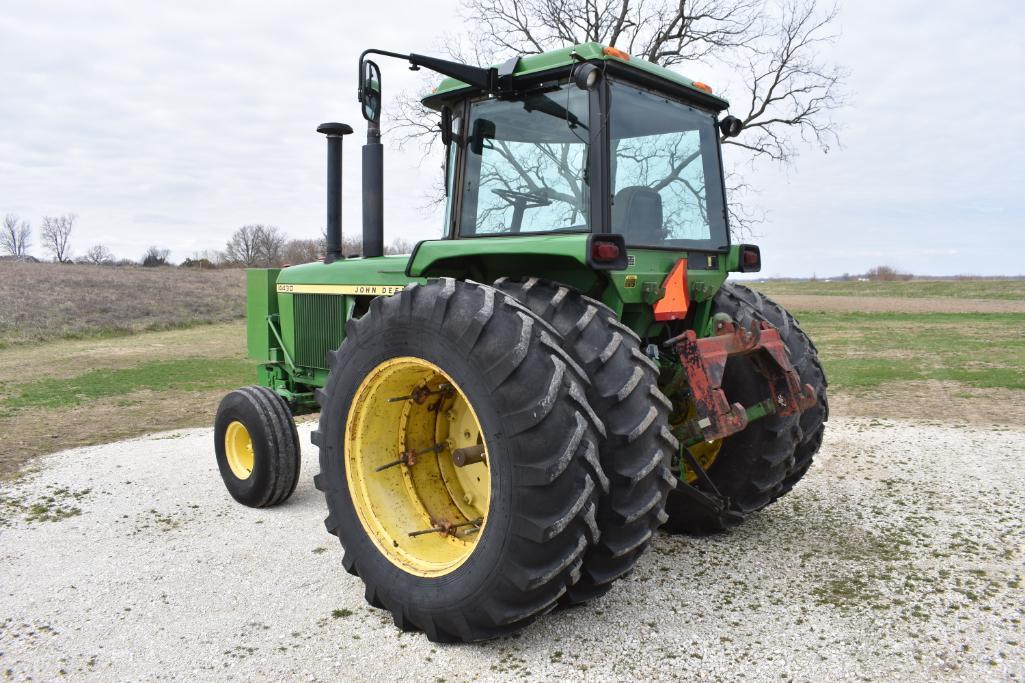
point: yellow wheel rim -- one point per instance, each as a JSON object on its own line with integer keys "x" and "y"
{"x": 409, "y": 405}
{"x": 705, "y": 452}
{"x": 238, "y": 449}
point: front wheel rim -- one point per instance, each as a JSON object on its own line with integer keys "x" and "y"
{"x": 424, "y": 513}
{"x": 238, "y": 450}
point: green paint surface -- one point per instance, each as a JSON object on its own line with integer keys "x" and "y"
{"x": 382, "y": 270}
{"x": 531, "y": 64}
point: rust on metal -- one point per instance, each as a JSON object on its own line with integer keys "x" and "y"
{"x": 445, "y": 528}
{"x": 704, "y": 362}
{"x": 420, "y": 394}
{"x": 409, "y": 458}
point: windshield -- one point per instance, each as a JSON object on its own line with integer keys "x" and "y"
{"x": 526, "y": 162}
{"x": 666, "y": 182}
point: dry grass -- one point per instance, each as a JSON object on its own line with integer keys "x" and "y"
{"x": 47, "y": 301}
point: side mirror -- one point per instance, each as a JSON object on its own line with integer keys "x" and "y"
{"x": 446, "y": 126}
{"x": 730, "y": 127}
{"x": 370, "y": 92}
{"x": 482, "y": 129}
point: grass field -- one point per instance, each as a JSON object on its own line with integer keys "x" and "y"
{"x": 71, "y": 393}
{"x": 864, "y": 350}
{"x": 983, "y": 288}
{"x": 111, "y": 385}
{"x": 47, "y": 301}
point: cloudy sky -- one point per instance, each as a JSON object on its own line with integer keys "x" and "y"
{"x": 174, "y": 123}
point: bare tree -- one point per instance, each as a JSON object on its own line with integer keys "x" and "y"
{"x": 663, "y": 32}
{"x": 790, "y": 91}
{"x": 303, "y": 251}
{"x": 99, "y": 255}
{"x": 786, "y": 96}
{"x": 398, "y": 246}
{"x": 255, "y": 245}
{"x": 241, "y": 248}
{"x": 55, "y": 234}
{"x": 352, "y": 245}
{"x": 15, "y": 236}
{"x": 309, "y": 250}
{"x": 272, "y": 245}
{"x": 155, "y": 256}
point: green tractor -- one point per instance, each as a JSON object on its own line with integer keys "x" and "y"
{"x": 508, "y": 414}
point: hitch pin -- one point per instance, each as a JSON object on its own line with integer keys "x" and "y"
{"x": 420, "y": 394}
{"x": 447, "y": 528}
{"x": 409, "y": 457}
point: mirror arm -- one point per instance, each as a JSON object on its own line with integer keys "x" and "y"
{"x": 485, "y": 79}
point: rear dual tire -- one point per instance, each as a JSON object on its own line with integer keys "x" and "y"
{"x": 763, "y": 462}
{"x": 541, "y": 439}
{"x": 637, "y": 449}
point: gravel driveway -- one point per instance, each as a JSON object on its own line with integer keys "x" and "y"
{"x": 899, "y": 557}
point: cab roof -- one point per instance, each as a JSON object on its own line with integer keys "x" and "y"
{"x": 531, "y": 65}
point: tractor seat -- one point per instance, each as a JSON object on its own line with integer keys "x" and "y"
{"x": 637, "y": 215}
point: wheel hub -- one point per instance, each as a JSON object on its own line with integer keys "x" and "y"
{"x": 423, "y": 512}
{"x": 238, "y": 450}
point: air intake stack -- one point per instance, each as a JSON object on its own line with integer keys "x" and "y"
{"x": 334, "y": 133}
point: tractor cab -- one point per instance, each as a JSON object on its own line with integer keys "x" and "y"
{"x": 601, "y": 170}
{"x": 584, "y": 140}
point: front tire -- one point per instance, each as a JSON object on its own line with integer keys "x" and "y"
{"x": 539, "y": 437}
{"x": 257, "y": 447}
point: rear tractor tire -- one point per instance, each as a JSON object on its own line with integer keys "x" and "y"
{"x": 257, "y": 447}
{"x": 636, "y": 453}
{"x": 760, "y": 464}
{"x": 459, "y": 460}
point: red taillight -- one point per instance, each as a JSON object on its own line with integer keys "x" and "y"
{"x": 750, "y": 259}
{"x": 604, "y": 251}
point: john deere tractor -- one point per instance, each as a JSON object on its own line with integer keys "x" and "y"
{"x": 509, "y": 413}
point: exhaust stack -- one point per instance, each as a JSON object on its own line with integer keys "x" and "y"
{"x": 334, "y": 133}
{"x": 373, "y": 194}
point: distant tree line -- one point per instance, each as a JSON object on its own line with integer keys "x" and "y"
{"x": 255, "y": 245}
{"x": 266, "y": 245}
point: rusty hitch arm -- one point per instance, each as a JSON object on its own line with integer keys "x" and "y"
{"x": 704, "y": 362}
